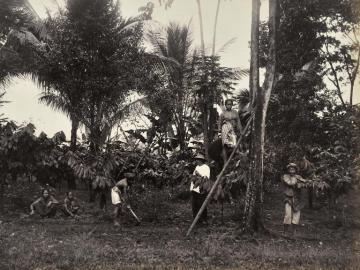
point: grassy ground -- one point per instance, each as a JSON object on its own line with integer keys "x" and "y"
{"x": 324, "y": 240}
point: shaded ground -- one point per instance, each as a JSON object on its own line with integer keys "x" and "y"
{"x": 324, "y": 241}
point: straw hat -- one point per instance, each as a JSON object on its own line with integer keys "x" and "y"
{"x": 200, "y": 156}
{"x": 122, "y": 183}
{"x": 129, "y": 175}
{"x": 292, "y": 165}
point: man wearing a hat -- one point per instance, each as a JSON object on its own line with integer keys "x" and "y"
{"x": 199, "y": 186}
{"x": 292, "y": 191}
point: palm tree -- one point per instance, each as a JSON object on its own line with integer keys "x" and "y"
{"x": 215, "y": 26}
{"x": 58, "y": 100}
{"x": 174, "y": 43}
{"x": 2, "y": 102}
{"x": 22, "y": 35}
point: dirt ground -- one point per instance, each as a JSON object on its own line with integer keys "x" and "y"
{"x": 325, "y": 240}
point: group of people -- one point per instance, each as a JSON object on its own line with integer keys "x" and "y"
{"x": 229, "y": 130}
{"x": 47, "y": 206}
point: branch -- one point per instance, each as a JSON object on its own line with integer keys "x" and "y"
{"x": 353, "y": 77}
{"x": 356, "y": 69}
{"x": 336, "y": 80}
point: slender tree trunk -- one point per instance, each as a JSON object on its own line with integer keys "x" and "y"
{"x": 215, "y": 27}
{"x": 353, "y": 77}
{"x": 74, "y": 128}
{"x": 181, "y": 134}
{"x": 254, "y": 192}
{"x": 201, "y": 28}
{"x": 335, "y": 81}
{"x": 2, "y": 191}
{"x": 206, "y": 128}
{"x": 254, "y": 45}
{"x": 95, "y": 139}
{"x": 206, "y": 111}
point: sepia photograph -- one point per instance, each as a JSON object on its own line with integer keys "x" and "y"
{"x": 179, "y": 134}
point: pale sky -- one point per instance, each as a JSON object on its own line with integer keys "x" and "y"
{"x": 234, "y": 22}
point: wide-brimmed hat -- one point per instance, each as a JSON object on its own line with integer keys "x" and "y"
{"x": 292, "y": 165}
{"x": 199, "y": 156}
{"x": 129, "y": 175}
{"x": 122, "y": 183}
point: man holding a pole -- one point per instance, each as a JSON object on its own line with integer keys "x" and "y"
{"x": 120, "y": 201}
{"x": 199, "y": 186}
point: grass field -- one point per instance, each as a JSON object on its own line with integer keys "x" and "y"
{"x": 324, "y": 240}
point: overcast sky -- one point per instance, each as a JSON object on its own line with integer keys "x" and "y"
{"x": 234, "y": 22}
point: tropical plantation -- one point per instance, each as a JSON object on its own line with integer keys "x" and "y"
{"x": 173, "y": 158}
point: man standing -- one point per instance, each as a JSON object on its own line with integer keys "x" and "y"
{"x": 229, "y": 127}
{"x": 292, "y": 191}
{"x": 199, "y": 186}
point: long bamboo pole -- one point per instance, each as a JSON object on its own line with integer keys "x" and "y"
{"x": 218, "y": 180}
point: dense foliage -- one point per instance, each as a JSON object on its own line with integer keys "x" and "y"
{"x": 90, "y": 59}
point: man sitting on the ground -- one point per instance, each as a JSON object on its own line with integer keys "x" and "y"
{"x": 45, "y": 206}
{"x": 71, "y": 208}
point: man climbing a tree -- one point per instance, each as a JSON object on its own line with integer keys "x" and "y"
{"x": 292, "y": 191}
{"x": 229, "y": 127}
{"x": 199, "y": 186}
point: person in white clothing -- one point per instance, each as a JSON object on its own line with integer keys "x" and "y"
{"x": 199, "y": 187}
{"x": 119, "y": 199}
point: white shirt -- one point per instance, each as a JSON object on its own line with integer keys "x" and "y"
{"x": 204, "y": 171}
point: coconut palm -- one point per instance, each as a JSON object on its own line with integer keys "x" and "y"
{"x": 22, "y": 35}
{"x": 66, "y": 104}
{"x": 174, "y": 42}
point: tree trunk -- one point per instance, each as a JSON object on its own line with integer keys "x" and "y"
{"x": 254, "y": 50}
{"x": 95, "y": 139}
{"x": 212, "y": 123}
{"x": 254, "y": 193}
{"x": 353, "y": 77}
{"x": 215, "y": 26}
{"x": 206, "y": 129}
{"x": 201, "y": 28}
{"x": 181, "y": 134}
{"x": 74, "y": 128}
{"x": 2, "y": 191}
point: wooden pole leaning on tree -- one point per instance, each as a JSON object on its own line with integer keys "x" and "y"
{"x": 218, "y": 179}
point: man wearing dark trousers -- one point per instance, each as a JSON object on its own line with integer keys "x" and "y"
{"x": 199, "y": 186}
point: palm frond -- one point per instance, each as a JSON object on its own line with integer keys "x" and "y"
{"x": 56, "y": 102}
{"x": 241, "y": 73}
{"x": 226, "y": 45}
{"x": 157, "y": 41}
{"x": 243, "y": 97}
{"x": 2, "y": 102}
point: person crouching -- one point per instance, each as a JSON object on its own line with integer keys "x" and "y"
{"x": 119, "y": 199}
{"x": 46, "y": 206}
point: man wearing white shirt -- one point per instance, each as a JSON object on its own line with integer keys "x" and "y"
{"x": 200, "y": 178}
